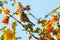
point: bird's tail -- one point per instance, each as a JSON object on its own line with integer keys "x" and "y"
{"x": 32, "y": 23}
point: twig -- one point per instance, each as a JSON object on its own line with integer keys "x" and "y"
{"x": 22, "y": 26}
{"x": 32, "y": 15}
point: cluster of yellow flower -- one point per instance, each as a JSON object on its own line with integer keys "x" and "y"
{"x": 9, "y": 35}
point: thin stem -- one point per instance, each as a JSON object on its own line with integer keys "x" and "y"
{"x": 22, "y": 26}
{"x": 32, "y": 15}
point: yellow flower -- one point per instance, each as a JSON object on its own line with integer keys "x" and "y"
{"x": 14, "y": 38}
{"x": 9, "y": 35}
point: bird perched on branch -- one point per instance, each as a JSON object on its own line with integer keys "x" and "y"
{"x": 23, "y": 17}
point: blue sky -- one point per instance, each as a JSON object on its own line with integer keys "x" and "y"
{"x": 39, "y": 8}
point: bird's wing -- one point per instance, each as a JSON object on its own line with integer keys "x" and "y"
{"x": 25, "y": 15}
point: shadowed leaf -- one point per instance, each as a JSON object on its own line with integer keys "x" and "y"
{"x": 14, "y": 24}
{"x": 43, "y": 23}
{"x": 12, "y": 4}
{"x": 29, "y": 26}
{"x": 2, "y": 37}
{"x": 55, "y": 31}
{"x": 37, "y": 30}
{"x": 27, "y": 7}
{"x": 5, "y": 1}
{"x": 0, "y": 11}
{"x": 30, "y": 37}
{"x": 1, "y": 3}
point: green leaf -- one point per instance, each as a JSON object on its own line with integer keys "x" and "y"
{"x": 12, "y": 4}
{"x": 3, "y": 28}
{"x": 2, "y": 37}
{"x": 29, "y": 26}
{"x": 27, "y": 7}
{"x": 53, "y": 11}
{"x": 14, "y": 24}
{"x": 55, "y": 31}
{"x": 0, "y": 11}
{"x": 1, "y": 4}
{"x": 31, "y": 29}
{"x": 43, "y": 22}
{"x": 30, "y": 37}
{"x": 5, "y": 1}
{"x": 37, "y": 30}
{"x": 47, "y": 15}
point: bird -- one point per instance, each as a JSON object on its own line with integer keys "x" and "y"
{"x": 23, "y": 17}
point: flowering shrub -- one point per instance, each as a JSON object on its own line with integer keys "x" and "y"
{"x": 48, "y": 30}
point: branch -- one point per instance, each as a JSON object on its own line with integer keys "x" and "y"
{"x": 22, "y": 26}
{"x": 32, "y": 15}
